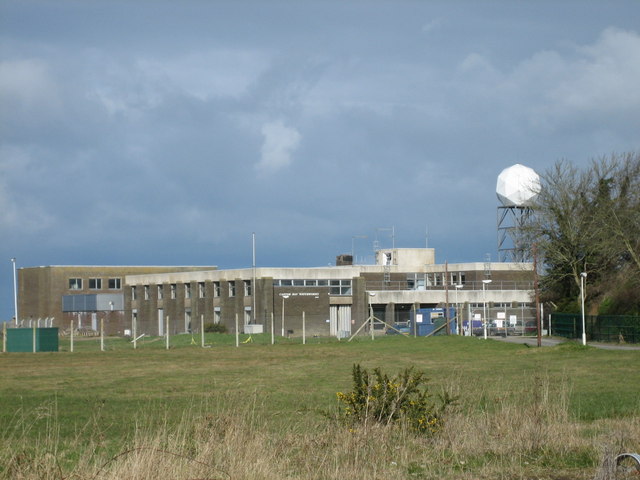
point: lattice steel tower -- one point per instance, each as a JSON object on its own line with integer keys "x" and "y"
{"x": 517, "y": 189}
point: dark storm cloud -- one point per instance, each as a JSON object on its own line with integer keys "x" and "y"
{"x": 164, "y": 132}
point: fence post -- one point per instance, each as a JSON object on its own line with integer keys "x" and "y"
{"x": 4, "y": 337}
{"x": 167, "y": 331}
{"x": 273, "y": 338}
{"x": 102, "y": 334}
{"x": 71, "y": 336}
{"x": 202, "y": 331}
{"x": 237, "y": 333}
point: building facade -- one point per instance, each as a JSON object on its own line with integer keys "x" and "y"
{"x": 327, "y": 301}
{"x": 323, "y": 301}
{"x": 87, "y": 295}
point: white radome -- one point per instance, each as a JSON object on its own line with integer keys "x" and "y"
{"x": 518, "y": 186}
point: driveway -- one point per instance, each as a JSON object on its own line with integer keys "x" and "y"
{"x": 551, "y": 341}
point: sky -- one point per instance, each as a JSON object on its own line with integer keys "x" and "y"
{"x": 167, "y": 133}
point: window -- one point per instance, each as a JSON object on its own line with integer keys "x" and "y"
{"x": 187, "y": 290}
{"x": 115, "y": 284}
{"x": 340, "y": 287}
{"x": 201, "y": 290}
{"x": 95, "y": 283}
{"x": 173, "y": 291}
{"x": 216, "y": 315}
{"x": 247, "y": 315}
{"x": 247, "y": 288}
{"x": 160, "y": 292}
{"x": 134, "y": 293}
{"x": 216, "y": 289}
{"x": 146, "y": 292}
{"x": 232, "y": 289}
{"x": 298, "y": 283}
{"x": 75, "y": 284}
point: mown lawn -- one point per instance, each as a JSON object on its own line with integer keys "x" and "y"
{"x": 89, "y": 394}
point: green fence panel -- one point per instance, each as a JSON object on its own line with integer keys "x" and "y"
{"x": 600, "y": 328}
{"x": 21, "y": 339}
{"x": 565, "y": 325}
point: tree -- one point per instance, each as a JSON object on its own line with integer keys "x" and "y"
{"x": 619, "y": 208}
{"x": 588, "y": 221}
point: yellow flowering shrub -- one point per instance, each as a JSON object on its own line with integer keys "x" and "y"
{"x": 378, "y": 398}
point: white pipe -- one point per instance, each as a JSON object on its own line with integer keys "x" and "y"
{"x": 15, "y": 290}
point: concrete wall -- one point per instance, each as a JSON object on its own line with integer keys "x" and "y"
{"x": 40, "y": 289}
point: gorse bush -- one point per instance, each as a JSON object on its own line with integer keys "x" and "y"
{"x": 404, "y": 398}
{"x": 215, "y": 328}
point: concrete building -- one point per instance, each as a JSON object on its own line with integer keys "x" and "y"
{"x": 333, "y": 300}
{"x": 55, "y": 295}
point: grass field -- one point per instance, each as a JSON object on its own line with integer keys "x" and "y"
{"x": 268, "y": 411}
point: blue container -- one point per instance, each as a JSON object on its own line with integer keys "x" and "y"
{"x": 431, "y": 321}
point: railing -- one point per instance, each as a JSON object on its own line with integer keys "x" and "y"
{"x": 494, "y": 285}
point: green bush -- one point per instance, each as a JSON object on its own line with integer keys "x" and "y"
{"x": 376, "y": 398}
{"x": 215, "y": 328}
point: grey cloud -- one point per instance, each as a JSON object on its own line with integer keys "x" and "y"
{"x": 169, "y": 133}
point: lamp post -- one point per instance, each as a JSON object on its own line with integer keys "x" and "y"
{"x": 15, "y": 290}
{"x": 284, "y": 296}
{"x": 459, "y": 322}
{"x": 583, "y": 276}
{"x": 484, "y": 305}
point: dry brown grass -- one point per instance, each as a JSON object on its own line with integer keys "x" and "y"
{"x": 528, "y": 434}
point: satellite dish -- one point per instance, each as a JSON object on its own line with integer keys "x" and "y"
{"x": 518, "y": 186}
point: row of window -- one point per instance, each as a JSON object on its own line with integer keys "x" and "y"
{"x": 95, "y": 283}
{"x": 173, "y": 290}
{"x": 421, "y": 280}
{"x": 503, "y": 305}
{"x": 336, "y": 287}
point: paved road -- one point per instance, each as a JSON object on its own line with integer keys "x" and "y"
{"x": 551, "y": 341}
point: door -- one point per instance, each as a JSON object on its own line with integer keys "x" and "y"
{"x": 340, "y": 321}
